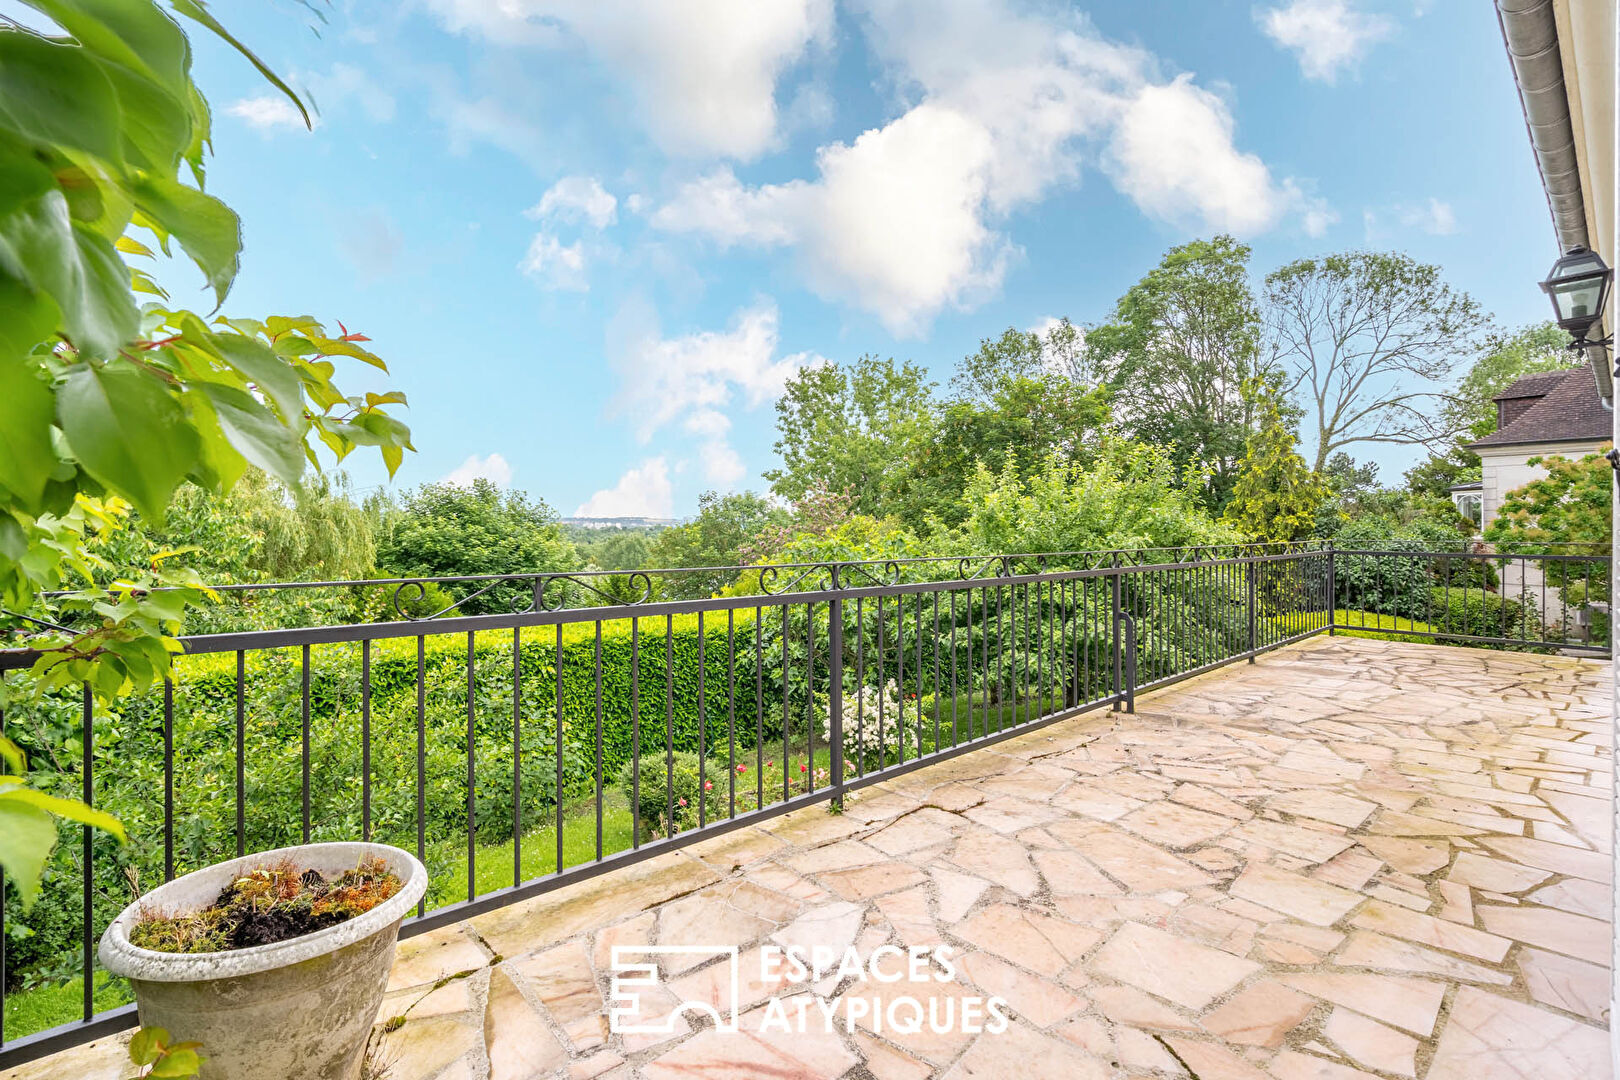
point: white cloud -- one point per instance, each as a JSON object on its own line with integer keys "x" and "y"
{"x": 1433, "y": 216}
{"x": 643, "y": 491}
{"x": 1384, "y": 225}
{"x": 492, "y": 467}
{"x": 1316, "y": 217}
{"x": 1328, "y": 36}
{"x": 576, "y": 198}
{"x": 1173, "y": 153}
{"x": 905, "y": 220}
{"x": 506, "y": 125}
{"x": 722, "y": 466}
{"x": 709, "y": 423}
{"x": 555, "y": 265}
{"x": 666, "y": 379}
{"x": 702, "y": 73}
{"x": 267, "y": 112}
{"x": 892, "y": 224}
{"x": 695, "y": 378}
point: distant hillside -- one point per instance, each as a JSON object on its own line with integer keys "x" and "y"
{"x": 620, "y": 522}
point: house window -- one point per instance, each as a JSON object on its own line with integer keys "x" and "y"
{"x": 1470, "y": 504}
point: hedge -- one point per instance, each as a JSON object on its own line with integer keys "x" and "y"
{"x": 129, "y": 749}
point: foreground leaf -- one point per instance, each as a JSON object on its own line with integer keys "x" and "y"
{"x": 27, "y": 835}
{"x": 127, "y": 432}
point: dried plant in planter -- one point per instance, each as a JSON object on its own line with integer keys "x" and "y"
{"x": 270, "y": 904}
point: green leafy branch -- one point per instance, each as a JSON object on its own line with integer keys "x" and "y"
{"x": 109, "y": 404}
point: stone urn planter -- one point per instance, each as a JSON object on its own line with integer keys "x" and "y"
{"x": 297, "y": 1008}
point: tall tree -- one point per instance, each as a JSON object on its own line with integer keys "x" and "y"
{"x": 1367, "y": 339}
{"x": 1060, "y": 350}
{"x": 1182, "y": 344}
{"x": 452, "y": 530}
{"x": 857, "y": 428}
{"x": 725, "y": 525}
{"x": 1015, "y": 398}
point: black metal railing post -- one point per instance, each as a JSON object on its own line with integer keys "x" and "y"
{"x": 835, "y": 695}
{"x": 1113, "y": 624}
{"x": 1125, "y": 629}
{"x": 1253, "y": 623}
{"x": 1332, "y": 592}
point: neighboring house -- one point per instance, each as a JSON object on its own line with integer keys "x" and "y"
{"x": 1552, "y": 412}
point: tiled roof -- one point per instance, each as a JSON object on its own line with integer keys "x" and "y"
{"x": 1535, "y": 385}
{"x": 1569, "y": 410}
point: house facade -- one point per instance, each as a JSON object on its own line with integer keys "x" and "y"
{"x": 1541, "y": 415}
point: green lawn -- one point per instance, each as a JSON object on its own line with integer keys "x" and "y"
{"x": 1372, "y": 621}
{"x": 28, "y": 1011}
{"x": 494, "y": 861}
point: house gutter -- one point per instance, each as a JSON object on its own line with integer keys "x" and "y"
{"x": 1531, "y": 34}
{"x": 1530, "y": 31}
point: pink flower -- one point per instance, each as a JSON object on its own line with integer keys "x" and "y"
{"x": 742, "y": 768}
{"x": 708, "y": 785}
{"x": 682, "y": 802}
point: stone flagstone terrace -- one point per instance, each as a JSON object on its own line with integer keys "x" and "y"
{"x": 1352, "y": 859}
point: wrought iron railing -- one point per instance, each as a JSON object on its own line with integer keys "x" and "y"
{"x": 520, "y": 751}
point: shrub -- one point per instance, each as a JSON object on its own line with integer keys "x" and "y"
{"x": 865, "y": 740}
{"x": 671, "y": 789}
{"x": 1482, "y": 614}
{"x": 1392, "y": 585}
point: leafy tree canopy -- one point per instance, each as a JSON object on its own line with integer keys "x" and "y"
{"x": 1130, "y": 497}
{"x": 453, "y": 530}
{"x": 621, "y": 550}
{"x": 856, "y": 428}
{"x": 1017, "y": 395}
{"x": 1180, "y": 347}
{"x": 724, "y": 527}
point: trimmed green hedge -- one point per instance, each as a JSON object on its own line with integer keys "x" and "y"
{"x": 130, "y": 749}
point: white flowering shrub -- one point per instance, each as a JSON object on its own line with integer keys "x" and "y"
{"x": 863, "y": 738}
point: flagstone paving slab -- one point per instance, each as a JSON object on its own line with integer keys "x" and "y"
{"x": 1350, "y": 860}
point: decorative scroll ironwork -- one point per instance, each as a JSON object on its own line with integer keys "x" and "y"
{"x": 541, "y": 603}
{"x": 420, "y": 586}
{"x": 771, "y": 585}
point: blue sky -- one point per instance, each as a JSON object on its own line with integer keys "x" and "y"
{"x": 592, "y": 238}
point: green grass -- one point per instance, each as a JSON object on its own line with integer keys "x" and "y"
{"x": 28, "y": 1011}
{"x": 494, "y": 861}
{"x": 1372, "y": 621}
